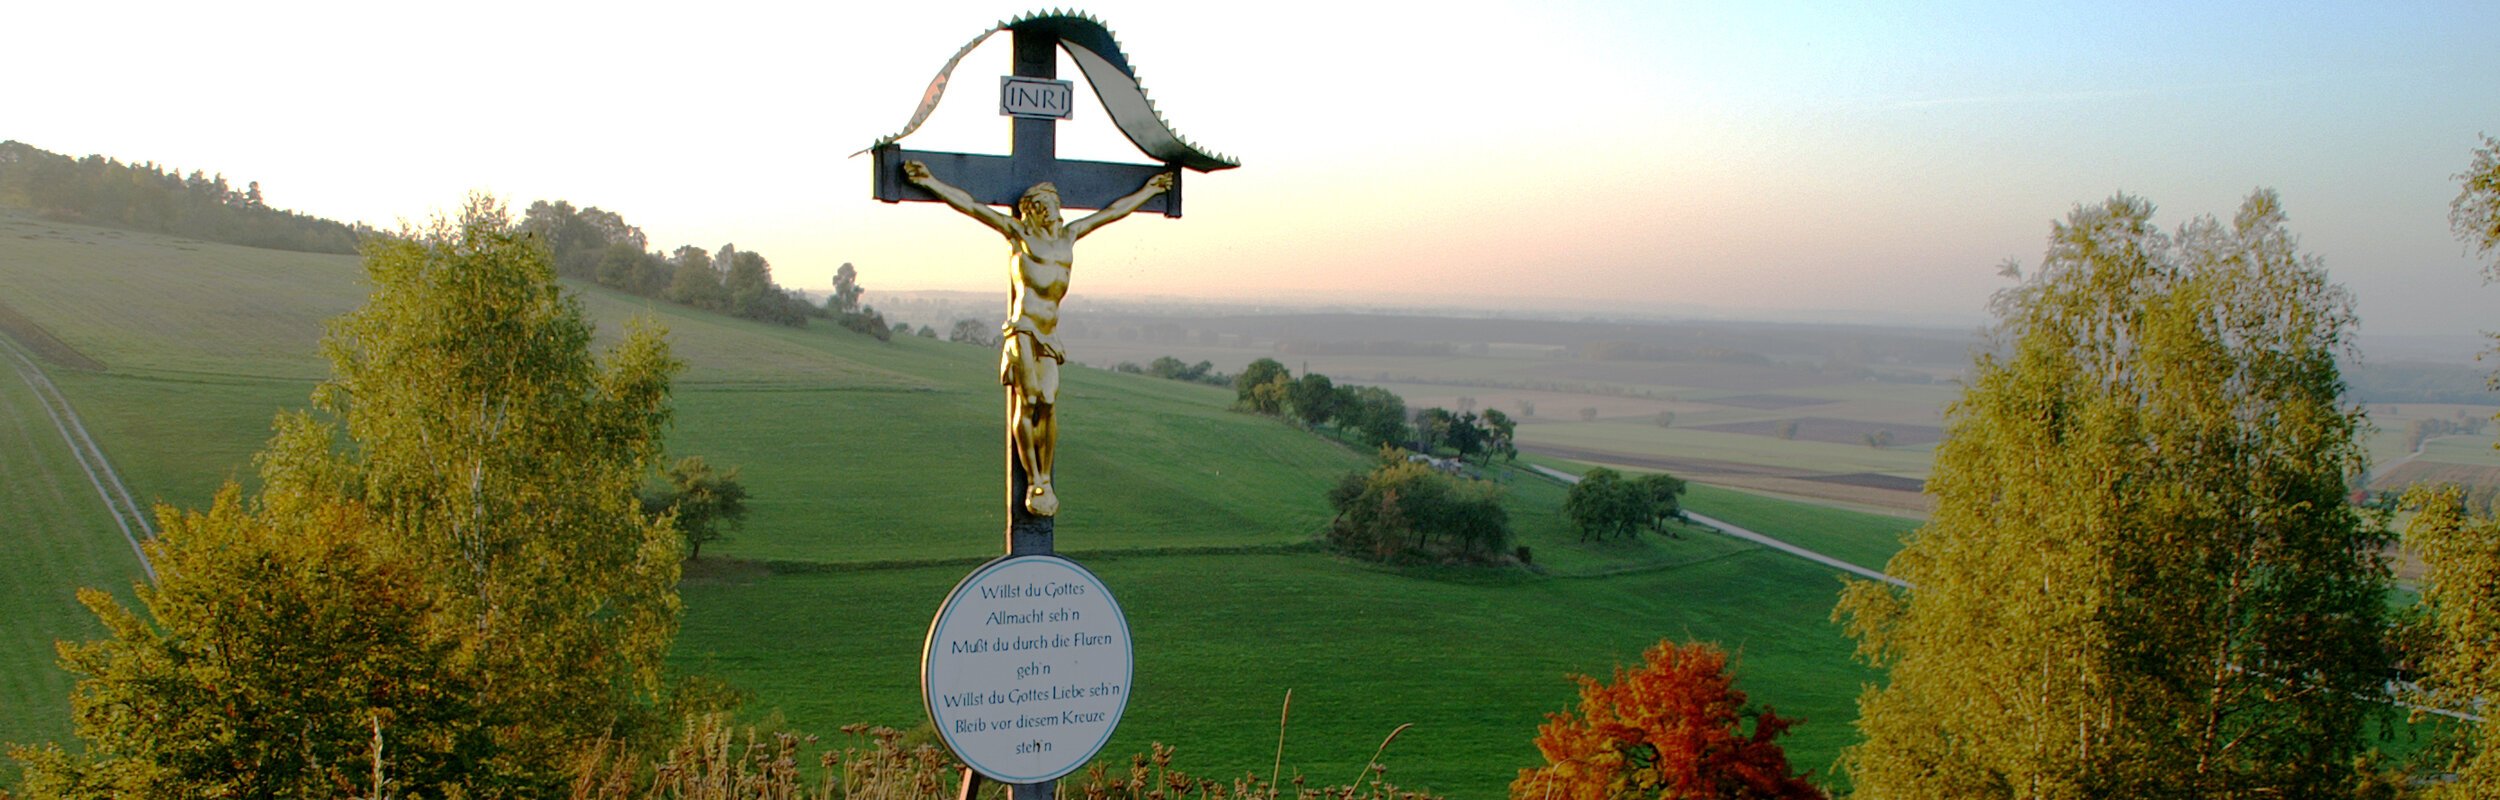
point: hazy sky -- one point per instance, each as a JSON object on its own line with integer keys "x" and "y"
{"x": 1752, "y": 158}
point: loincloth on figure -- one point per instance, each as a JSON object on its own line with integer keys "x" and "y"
{"x": 1019, "y": 335}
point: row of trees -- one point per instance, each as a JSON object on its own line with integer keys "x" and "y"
{"x": 1173, "y": 369}
{"x": 1374, "y": 416}
{"x": 2421, "y": 431}
{"x": 1466, "y": 433}
{"x": 146, "y": 197}
{"x": 597, "y": 245}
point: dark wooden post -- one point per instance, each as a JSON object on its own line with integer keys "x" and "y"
{"x": 1036, "y": 147}
{"x": 1036, "y": 143}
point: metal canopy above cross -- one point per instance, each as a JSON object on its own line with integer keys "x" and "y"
{"x": 999, "y": 180}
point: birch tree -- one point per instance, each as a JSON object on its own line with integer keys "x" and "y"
{"x": 445, "y": 583}
{"x": 505, "y": 458}
{"x": 2143, "y": 577}
{"x": 2459, "y": 621}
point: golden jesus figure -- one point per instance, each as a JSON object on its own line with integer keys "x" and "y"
{"x": 1029, "y": 352}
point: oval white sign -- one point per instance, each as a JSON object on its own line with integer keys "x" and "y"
{"x": 1026, "y": 668}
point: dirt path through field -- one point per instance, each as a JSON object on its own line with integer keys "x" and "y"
{"x": 1760, "y": 539}
{"x": 1896, "y": 495}
{"x": 127, "y": 513}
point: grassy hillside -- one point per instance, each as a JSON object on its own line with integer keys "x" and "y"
{"x": 876, "y": 472}
{"x": 58, "y": 538}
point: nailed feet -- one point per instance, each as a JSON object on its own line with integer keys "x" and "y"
{"x": 1041, "y": 501}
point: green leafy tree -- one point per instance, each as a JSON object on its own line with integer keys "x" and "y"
{"x": 1466, "y": 434}
{"x": 705, "y": 500}
{"x": 1604, "y": 504}
{"x": 1174, "y": 369}
{"x": 448, "y": 570}
{"x": 846, "y": 290}
{"x": 748, "y": 280}
{"x": 506, "y": 457}
{"x": 626, "y": 267}
{"x": 844, "y": 306}
{"x": 1314, "y": 398}
{"x": 284, "y": 652}
{"x": 971, "y": 331}
{"x": 579, "y": 239}
{"x": 1432, "y": 428}
{"x": 1500, "y": 436}
{"x": 2459, "y": 633}
{"x": 2142, "y": 577}
{"x": 1662, "y": 498}
{"x": 1405, "y": 507}
{"x": 2457, "y": 629}
{"x": 1376, "y": 415}
{"x": 693, "y": 281}
{"x": 1256, "y": 386}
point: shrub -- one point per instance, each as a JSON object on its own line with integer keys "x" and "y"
{"x": 1672, "y": 728}
{"x": 1407, "y": 508}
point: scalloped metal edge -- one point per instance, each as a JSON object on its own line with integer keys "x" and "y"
{"x": 1129, "y": 69}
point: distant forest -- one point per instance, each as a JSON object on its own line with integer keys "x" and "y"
{"x": 146, "y": 197}
{"x": 586, "y": 243}
{"x": 2408, "y": 382}
{"x": 596, "y": 245}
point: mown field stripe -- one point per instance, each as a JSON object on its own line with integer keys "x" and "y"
{"x": 90, "y": 457}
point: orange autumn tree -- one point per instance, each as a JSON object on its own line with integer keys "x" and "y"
{"x": 1675, "y": 728}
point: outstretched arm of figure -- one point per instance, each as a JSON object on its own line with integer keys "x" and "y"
{"x": 1160, "y": 183}
{"x": 918, "y": 174}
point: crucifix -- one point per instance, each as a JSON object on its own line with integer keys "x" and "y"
{"x": 1037, "y": 184}
{"x": 1030, "y": 353}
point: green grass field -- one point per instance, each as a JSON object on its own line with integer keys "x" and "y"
{"x": 1867, "y": 540}
{"x": 1473, "y": 665}
{"x": 59, "y": 538}
{"x": 875, "y": 469}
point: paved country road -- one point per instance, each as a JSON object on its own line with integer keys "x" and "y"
{"x": 127, "y": 513}
{"x": 1758, "y": 538}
